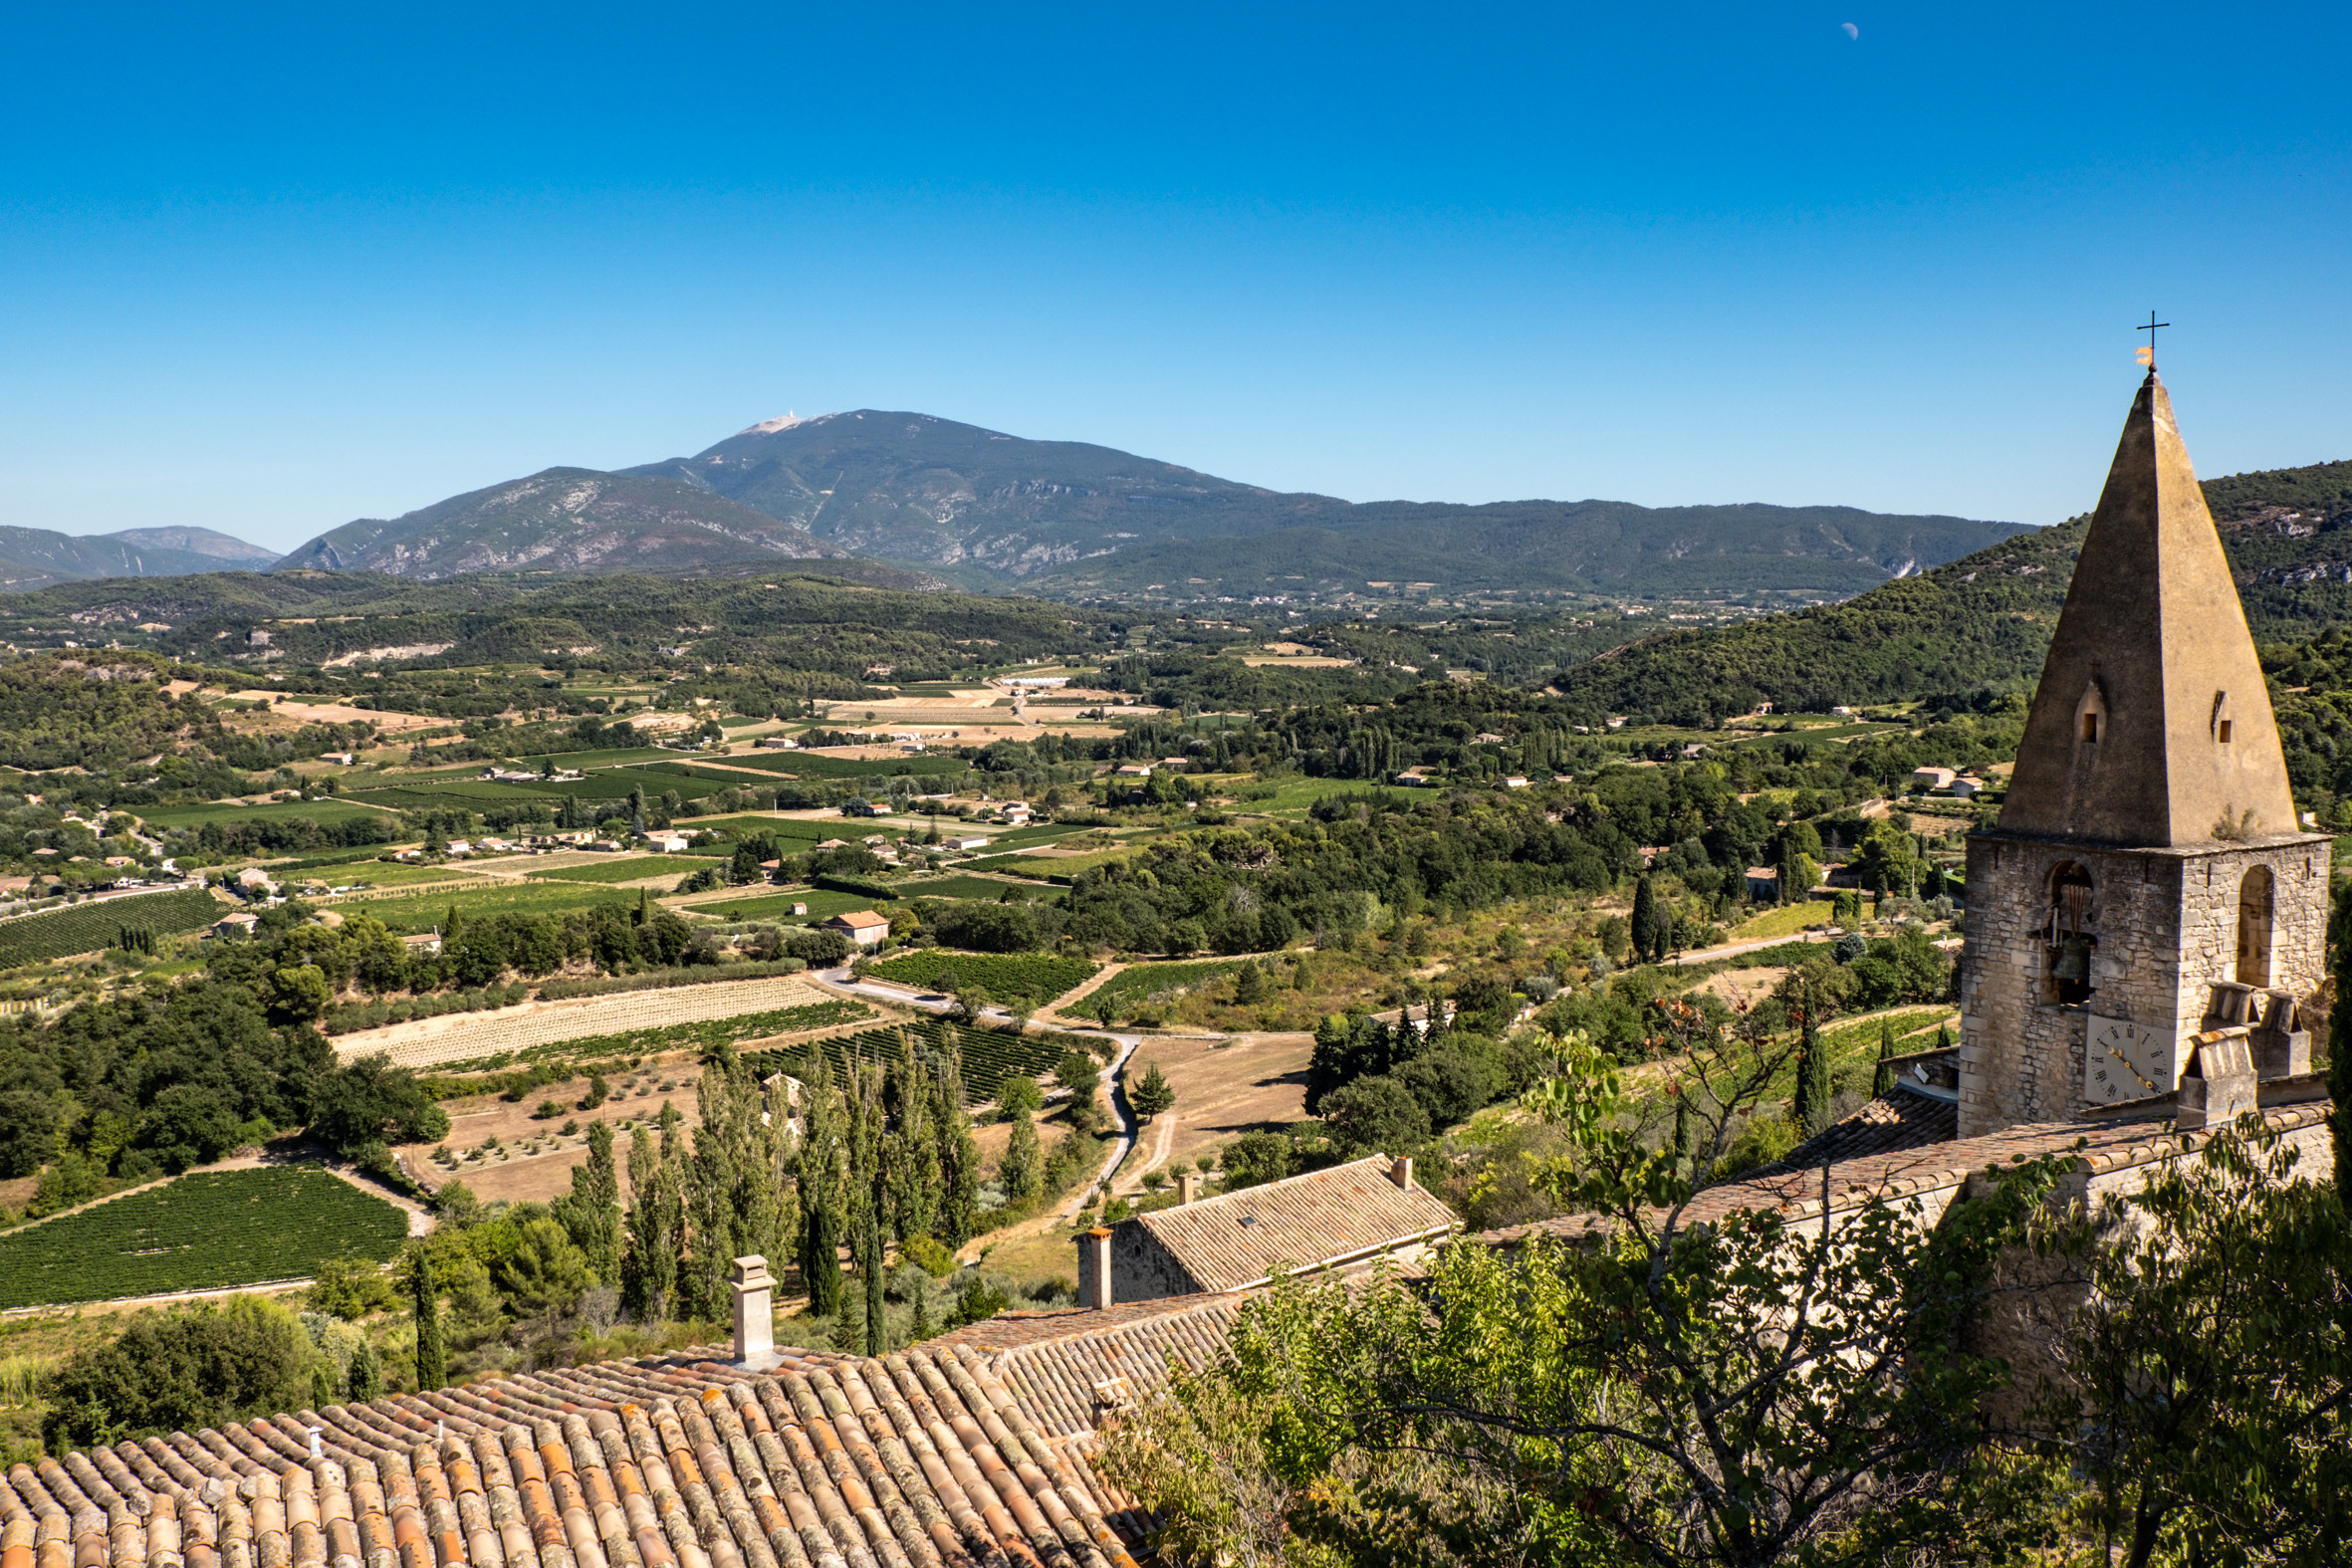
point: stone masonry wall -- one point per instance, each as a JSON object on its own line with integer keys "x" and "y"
{"x": 1143, "y": 1270}
{"x": 2165, "y": 924}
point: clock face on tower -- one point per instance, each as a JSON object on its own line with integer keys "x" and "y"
{"x": 2125, "y": 1061}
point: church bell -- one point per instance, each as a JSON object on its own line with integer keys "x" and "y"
{"x": 2075, "y": 962}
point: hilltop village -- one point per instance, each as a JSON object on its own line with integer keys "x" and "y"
{"x": 781, "y": 1068}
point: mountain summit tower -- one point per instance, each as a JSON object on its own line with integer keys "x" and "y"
{"x": 2146, "y": 885}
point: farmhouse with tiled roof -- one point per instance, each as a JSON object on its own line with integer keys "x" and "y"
{"x": 1350, "y": 1213}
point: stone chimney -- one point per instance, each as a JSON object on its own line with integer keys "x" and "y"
{"x": 1188, "y": 1187}
{"x": 1094, "y": 1269}
{"x": 1400, "y": 1170}
{"x": 754, "y": 1313}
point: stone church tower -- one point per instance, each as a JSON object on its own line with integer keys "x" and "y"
{"x": 2146, "y": 915}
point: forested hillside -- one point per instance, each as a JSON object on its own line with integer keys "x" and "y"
{"x": 1980, "y": 621}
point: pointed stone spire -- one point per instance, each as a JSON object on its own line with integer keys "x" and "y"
{"x": 2151, "y": 726}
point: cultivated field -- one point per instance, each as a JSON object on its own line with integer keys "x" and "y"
{"x": 467, "y": 1037}
{"x": 201, "y": 1232}
{"x": 85, "y": 928}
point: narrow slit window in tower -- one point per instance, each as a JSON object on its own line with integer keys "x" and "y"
{"x": 2253, "y": 929}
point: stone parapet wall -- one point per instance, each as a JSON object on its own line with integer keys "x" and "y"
{"x": 2164, "y": 923}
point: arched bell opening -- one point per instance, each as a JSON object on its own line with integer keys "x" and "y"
{"x": 2256, "y": 903}
{"x": 2066, "y": 976}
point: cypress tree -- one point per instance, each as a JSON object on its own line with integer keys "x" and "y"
{"x": 363, "y": 1379}
{"x": 1884, "y": 1083}
{"x": 1810, "y": 1109}
{"x": 821, "y": 1196}
{"x": 1681, "y": 1132}
{"x": 644, "y": 910}
{"x": 432, "y": 1365}
{"x": 1645, "y": 918}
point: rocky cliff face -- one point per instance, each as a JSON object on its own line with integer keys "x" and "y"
{"x": 563, "y": 520}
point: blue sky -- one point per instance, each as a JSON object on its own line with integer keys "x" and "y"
{"x": 267, "y": 270}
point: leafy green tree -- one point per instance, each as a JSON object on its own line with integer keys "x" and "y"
{"x": 298, "y": 995}
{"x": 591, "y": 1211}
{"x": 1154, "y": 1096}
{"x": 1375, "y": 1115}
{"x": 1742, "y": 1394}
{"x": 371, "y": 1102}
{"x": 30, "y": 1122}
{"x": 2339, "y": 1044}
{"x": 1022, "y": 1171}
{"x": 649, "y": 1271}
{"x": 958, "y": 1216}
{"x": 543, "y": 1274}
{"x": 1810, "y": 1109}
{"x": 183, "y": 1371}
{"x": 1019, "y": 1097}
{"x": 2207, "y": 1394}
{"x": 348, "y": 1287}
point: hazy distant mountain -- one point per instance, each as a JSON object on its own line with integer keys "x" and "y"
{"x": 1065, "y": 517}
{"x": 35, "y": 558}
{"x": 913, "y": 487}
{"x": 1071, "y": 520}
{"x": 1609, "y": 546}
{"x": 563, "y": 520}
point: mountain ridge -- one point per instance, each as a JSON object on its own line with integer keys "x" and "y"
{"x": 1074, "y": 520}
{"x": 573, "y": 521}
{"x": 32, "y": 557}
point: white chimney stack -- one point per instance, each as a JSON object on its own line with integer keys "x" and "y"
{"x": 754, "y": 1313}
{"x": 1094, "y": 1269}
{"x": 1400, "y": 1170}
{"x": 1188, "y": 1187}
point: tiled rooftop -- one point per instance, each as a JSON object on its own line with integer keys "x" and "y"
{"x": 920, "y": 1460}
{"x": 1900, "y": 1120}
{"x": 1797, "y": 1193}
{"x": 1053, "y": 1363}
{"x": 1235, "y": 1239}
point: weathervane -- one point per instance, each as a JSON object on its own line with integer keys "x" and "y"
{"x": 2147, "y": 356}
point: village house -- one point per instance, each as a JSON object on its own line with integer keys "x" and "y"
{"x": 1764, "y": 883}
{"x": 863, "y": 927}
{"x": 1350, "y": 1214}
{"x": 1933, "y": 777}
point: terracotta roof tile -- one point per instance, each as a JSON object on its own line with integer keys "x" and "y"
{"x": 1797, "y": 1193}
{"x": 1051, "y": 1364}
{"x": 924, "y": 1459}
{"x": 1235, "y": 1239}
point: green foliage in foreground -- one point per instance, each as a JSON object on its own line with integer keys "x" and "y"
{"x": 85, "y": 928}
{"x": 183, "y": 1372}
{"x": 1745, "y": 1393}
{"x": 199, "y": 1232}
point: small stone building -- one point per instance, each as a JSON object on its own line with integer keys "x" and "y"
{"x": 863, "y": 927}
{"x": 1350, "y": 1213}
{"x": 2145, "y": 918}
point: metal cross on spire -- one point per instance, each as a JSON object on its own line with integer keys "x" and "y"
{"x": 2148, "y": 355}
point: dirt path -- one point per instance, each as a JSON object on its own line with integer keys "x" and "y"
{"x": 1052, "y": 1016}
